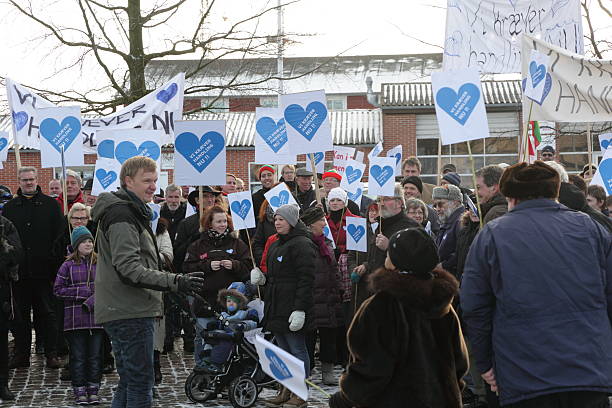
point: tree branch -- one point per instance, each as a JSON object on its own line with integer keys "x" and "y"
{"x": 592, "y": 36}
{"x": 173, "y": 8}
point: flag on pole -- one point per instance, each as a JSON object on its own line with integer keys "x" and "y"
{"x": 534, "y": 140}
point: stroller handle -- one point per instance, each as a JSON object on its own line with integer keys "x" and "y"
{"x": 179, "y": 299}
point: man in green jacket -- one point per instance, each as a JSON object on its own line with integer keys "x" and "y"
{"x": 129, "y": 279}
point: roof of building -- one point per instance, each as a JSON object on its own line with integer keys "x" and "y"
{"x": 420, "y": 95}
{"x": 337, "y": 75}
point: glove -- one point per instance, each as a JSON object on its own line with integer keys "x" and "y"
{"x": 190, "y": 283}
{"x": 337, "y": 400}
{"x": 355, "y": 277}
{"x": 257, "y": 277}
{"x": 296, "y": 320}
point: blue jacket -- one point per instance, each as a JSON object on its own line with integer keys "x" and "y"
{"x": 447, "y": 241}
{"x": 536, "y": 295}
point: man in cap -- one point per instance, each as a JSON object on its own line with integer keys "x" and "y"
{"x": 548, "y": 153}
{"x": 412, "y": 167}
{"x": 449, "y": 168}
{"x": 266, "y": 177}
{"x": 448, "y": 203}
{"x": 88, "y": 199}
{"x": 304, "y": 194}
{"x": 536, "y": 296}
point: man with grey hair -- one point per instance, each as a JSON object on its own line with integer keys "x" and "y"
{"x": 448, "y": 203}
{"x": 73, "y": 190}
{"x": 173, "y": 209}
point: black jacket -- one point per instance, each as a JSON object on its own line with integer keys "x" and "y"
{"x": 290, "y": 280}
{"x": 572, "y": 197}
{"x": 265, "y": 229}
{"x": 11, "y": 254}
{"x": 39, "y": 222}
{"x": 188, "y": 232}
{"x": 305, "y": 199}
{"x": 173, "y": 217}
{"x": 447, "y": 241}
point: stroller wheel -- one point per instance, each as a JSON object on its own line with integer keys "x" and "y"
{"x": 197, "y": 387}
{"x": 243, "y": 392}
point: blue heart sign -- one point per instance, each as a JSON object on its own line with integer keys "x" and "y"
{"x": 166, "y": 94}
{"x": 200, "y": 152}
{"x": 60, "y": 134}
{"x": 306, "y": 121}
{"x": 537, "y": 73}
{"x": 155, "y": 215}
{"x": 381, "y": 174}
{"x": 353, "y": 174}
{"x": 3, "y": 143}
{"x": 241, "y": 208}
{"x": 20, "y": 119}
{"x": 106, "y": 178}
{"x": 326, "y": 230}
{"x": 272, "y": 132}
{"x": 281, "y": 199}
{"x": 126, "y": 150}
{"x": 318, "y": 157}
{"x": 459, "y": 105}
{"x": 277, "y": 366}
{"x": 356, "y": 195}
{"x": 605, "y": 171}
{"x": 106, "y": 149}
{"x": 545, "y": 92}
{"x": 356, "y": 232}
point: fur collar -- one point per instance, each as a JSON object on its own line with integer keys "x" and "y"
{"x": 432, "y": 296}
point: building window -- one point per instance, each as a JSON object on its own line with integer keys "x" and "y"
{"x": 216, "y": 104}
{"x": 336, "y": 102}
{"x": 269, "y": 101}
{"x": 86, "y": 172}
{"x": 571, "y": 143}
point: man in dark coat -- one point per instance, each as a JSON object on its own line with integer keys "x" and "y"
{"x": 536, "y": 295}
{"x": 173, "y": 209}
{"x": 448, "y": 202}
{"x": 39, "y": 221}
{"x": 304, "y": 192}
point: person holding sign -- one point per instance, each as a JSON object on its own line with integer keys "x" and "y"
{"x": 417, "y": 356}
{"x": 266, "y": 177}
{"x": 331, "y": 180}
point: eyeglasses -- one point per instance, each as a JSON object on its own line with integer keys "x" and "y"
{"x": 79, "y": 218}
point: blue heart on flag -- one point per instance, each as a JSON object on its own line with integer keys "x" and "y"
{"x": 20, "y": 119}
{"x": 318, "y": 157}
{"x": 281, "y": 199}
{"x": 273, "y": 133}
{"x": 545, "y": 92}
{"x": 537, "y": 72}
{"x": 381, "y": 175}
{"x": 241, "y": 208}
{"x": 356, "y": 232}
{"x": 166, "y": 94}
{"x": 307, "y": 121}
{"x": 60, "y": 135}
{"x": 126, "y": 149}
{"x": 277, "y": 366}
{"x": 605, "y": 171}
{"x": 106, "y": 178}
{"x": 604, "y": 144}
{"x": 200, "y": 153}
{"x": 355, "y": 196}
{"x": 3, "y": 143}
{"x": 459, "y": 105}
{"x": 106, "y": 148}
{"x": 352, "y": 174}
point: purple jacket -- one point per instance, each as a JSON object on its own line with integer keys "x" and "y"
{"x": 73, "y": 286}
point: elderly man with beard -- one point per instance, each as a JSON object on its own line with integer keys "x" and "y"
{"x": 448, "y": 203}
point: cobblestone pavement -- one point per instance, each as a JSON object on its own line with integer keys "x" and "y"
{"x": 41, "y": 387}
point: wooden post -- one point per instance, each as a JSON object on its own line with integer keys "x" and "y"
{"x": 315, "y": 178}
{"x": 439, "y": 160}
{"x": 590, "y": 148}
{"x": 201, "y": 200}
{"x": 64, "y": 189}
{"x": 525, "y": 142}
{"x": 252, "y": 258}
{"x": 474, "y": 183}
{"x": 17, "y": 156}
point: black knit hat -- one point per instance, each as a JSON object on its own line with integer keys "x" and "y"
{"x": 312, "y": 215}
{"x": 414, "y": 180}
{"x": 413, "y": 251}
{"x": 523, "y": 181}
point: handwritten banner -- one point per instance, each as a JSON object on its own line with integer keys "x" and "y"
{"x": 487, "y": 34}
{"x": 341, "y": 155}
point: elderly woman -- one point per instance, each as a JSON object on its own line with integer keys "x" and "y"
{"x": 418, "y": 211}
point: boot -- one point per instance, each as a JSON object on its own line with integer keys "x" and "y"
{"x": 295, "y": 402}
{"x": 5, "y": 393}
{"x": 283, "y": 396}
{"x": 80, "y": 395}
{"x": 19, "y": 361}
{"x": 53, "y": 362}
{"x": 92, "y": 394}
{"x": 327, "y": 371}
{"x": 158, "y": 373}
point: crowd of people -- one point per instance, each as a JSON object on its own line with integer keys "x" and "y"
{"x": 496, "y": 296}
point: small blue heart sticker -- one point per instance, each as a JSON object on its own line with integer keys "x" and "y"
{"x": 280, "y": 258}
{"x": 277, "y": 366}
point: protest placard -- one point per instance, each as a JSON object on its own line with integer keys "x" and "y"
{"x": 307, "y": 122}
{"x": 341, "y": 155}
{"x": 535, "y": 80}
{"x": 354, "y": 171}
{"x": 319, "y": 159}
{"x": 4, "y": 146}
{"x": 271, "y": 142}
{"x": 106, "y": 176}
{"x": 381, "y": 180}
{"x": 396, "y": 153}
{"x": 356, "y": 234}
{"x": 122, "y": 144}
{"x": 374, "y": 152}
{"x": 155, "y": 209}
{"x": 241, "y": 206}
{"x": 603, "y": 175}
{"x": 278, "y": 196}
{"x": 604, "y": 141}
{"x": 60, "y": 127}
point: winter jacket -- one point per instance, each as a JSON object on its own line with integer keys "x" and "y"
{"x": 129, "y": 279}
{"x": 174, "y": 218}
{"x": 432, "y": 218}
{"x": 258, "y": 199}
{"x": 406, "y": 346}
{"x": 350, "y": 206}
{"x": 39, "y": 222}
{"x": 305, "y": 199}
{"x": 164, "y": 245}
{"x": 203, "y": 251}
{"x": 338, "y": 231}
{"x": 11, "y": 254}
{"x": 447, "y": 241}
{"x": 364, "y": 204}
{"x": 327, "y": 301}
{"x": 376, "y": 257}
{"x": 572, "y": 197}
{"x": 77, "y": 199}
{"x": 536, "y": 295}
{"x": 187, "y": 232}
{"x": 360, "y": 290}
{"x": 265, "y": 229}
{"x": 74, "y": 284}
{"x": 290, "y": 280}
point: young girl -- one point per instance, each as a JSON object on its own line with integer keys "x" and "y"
{"x": 75, "y": 285}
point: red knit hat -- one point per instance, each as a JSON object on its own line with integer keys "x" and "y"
{"x": 266, "y": 167}
{"x": 332, "y": 173}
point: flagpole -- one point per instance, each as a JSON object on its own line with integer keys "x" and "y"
{"x": 439, "y": 159}
{"x": 525, "y": 142}
{"x": 590, "y": 147}
{"x": 64, "y": 188}
{"x": 17, "y": 155}
{"x": 474, "y": 184}
{"x": 252, "y": 258}
{"x": 315, "y": 178}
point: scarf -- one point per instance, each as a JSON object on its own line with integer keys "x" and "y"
{"x": 141, "y": 205}
{"x": 216, "y": 236}
{"x": 336, "y": 216}
{"x": 323, "y": 248}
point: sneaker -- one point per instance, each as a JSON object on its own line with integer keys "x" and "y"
{"x": 92, "y": 395}
{"x": 80, "y": 396}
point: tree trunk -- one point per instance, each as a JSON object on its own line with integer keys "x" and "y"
{"x": 136, "y": 63}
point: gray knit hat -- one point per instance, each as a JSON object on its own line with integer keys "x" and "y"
{"x": 448, "y": 192}
{"x": 290, "y": 212}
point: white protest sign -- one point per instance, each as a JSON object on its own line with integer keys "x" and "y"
{"x": 271, "y": 143}
{"x": 241, "y": 206}
{"x": 354, "y": 171}
{"x": 375, "y": 151}
{"x": 307, "y": 121}
{"x": 155, "y": 208}
{"x": 328, "y": 234}
{"x": 60, "y": 127}
{"x": 123, "y": 144}
{"x": 341, "y": 155}
{"x": 359, "y": 156}
{"x": 356, "y": 195}
{"x": 106, "y": 176}
{"x": 373, "y": 226}
{"x": 199, "y": 156}
{"x": 460, "y": 108}
{"x": 486, "y": 35}
{"x": 282, "y": 367}
{"x": 356, "y": 234}
{"x": 278, "y": 196}
{"x": 396, "y": 153}
{"x": 190, "y": 210}
{"x": 536, "y": 75}
{"x": 604, "y": 141}
{"x": 576, "y": 88}
{"x": 156, "y": 110}
{"x": 162, "y": 181}
{"x": 603, "y": 175}
{"x": 381, "y": 180}
{"x": 319, "y": 159}
{"x": 4, "y": 146}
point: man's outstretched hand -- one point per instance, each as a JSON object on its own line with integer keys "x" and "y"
{"x": 191, "y": 283}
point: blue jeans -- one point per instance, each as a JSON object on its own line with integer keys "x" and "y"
{"x": 198, "y": 345}
{"x": 132, "y": 341}
{"x": 294, "y": 344}
{"x": 85, "y": 356}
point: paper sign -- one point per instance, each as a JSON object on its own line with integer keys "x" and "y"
{"x": 460, "y": 108}
{"x": 359, "y": 156}
{"x": 271, "y": 142}
{"x": 106, "y": 176}
{"x": 353, "y": 174}
{"x": 190, "y": 210}
{"x": 279, "y": 196}
{"x": 375, "y": 151}
{"x": 356, "y": 196}
{"x": 155, "y": 208}
{"x": 341, "y": 155}
{"x": 307, "y": 122}
{"x": 199, "y": 156}
{"x": 241, "y": 206}
{"x": 381, "y": 180}
{"x": 328, "y": 234}
{"x": 120, "y": 145}
{"x": 604, "y": 141}
{"x": 356, "y": 234}
{"x": 536, "y": 75}
{"x": 4, "y": 146}
{"x": 603, "y": 175}
{"x": 319, "y": 158}
{"x": 60, "y": 127}
{"x": 162, "y": 181}
{"x": 396, "y": 153}
{"x": 282, "y": 366}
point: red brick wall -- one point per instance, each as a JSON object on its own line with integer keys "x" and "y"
{"x": 400, "y": 128}
{"x": 358, "y": 102}
{"x": 191, "y": 104}
{"x": 243, "y": 104}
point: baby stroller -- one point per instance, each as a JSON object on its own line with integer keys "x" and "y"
{"x": 241, "y": 376}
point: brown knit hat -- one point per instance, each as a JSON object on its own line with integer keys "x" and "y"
{"x": 526, "y": 182}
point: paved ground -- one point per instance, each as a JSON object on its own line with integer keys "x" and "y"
{"x": 41, "y": 387}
